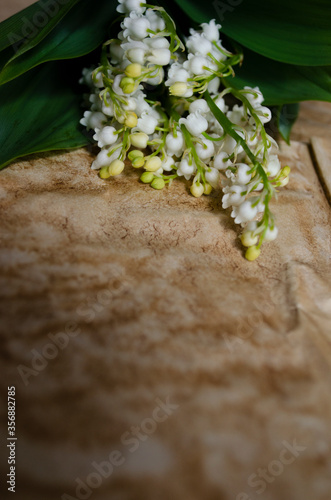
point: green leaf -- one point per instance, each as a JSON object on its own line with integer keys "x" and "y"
{"x": 282, "y": 83}
{"x": 28, "y": 27}
{"x": 291, "y": 31}
{"x": 79, "y": 32}
{"x": 40, "y": 111}
{"x": 286, "y": 117}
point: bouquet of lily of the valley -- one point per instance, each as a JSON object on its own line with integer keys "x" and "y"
{"x": 164, "y": 94}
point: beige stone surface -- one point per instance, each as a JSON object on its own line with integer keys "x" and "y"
{"x": 152, "y": 300}
{"x": 315, "y": 121}
{"x": 160, "y": 303}
{"x": 9, "y": 8}
{"x": 322, "y": 156}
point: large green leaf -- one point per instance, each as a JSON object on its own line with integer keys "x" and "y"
{"x": 40, "y": 111}
{"x": 28, "y": 27}
{"x": 283, "y": 83}
{"x": 82, "y": 30}
{"x": 286, "y": 117}
{"x": 291, "y": 31}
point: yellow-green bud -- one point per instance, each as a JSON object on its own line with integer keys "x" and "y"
{"x": 104, "y": 173}
{"x": 283, "y": 182}
{"x": 126, "y": 81}
{"x": 133, "y": 70}
{"x": 248, "y": 239}
{"x": 197, "y": 190}
{"x": 286, "y": 171}
{"x": 121, "y": 118}
{"x": 153, "y": 164}
{"x": 147, "y": 177}
{"x": 207, "y": 189}
{"x": 131, "y": 119}
{"x": 138, "y": 162}
{"x": 158, "y": 183}
{"x": 116, "y": 167}
{"x": 139, "y": 140}
{"x": 129, "y": 88}
{"x": 135, "y": 153}
{"x": 252, "y": 253}
{"x": 178, "y": 89}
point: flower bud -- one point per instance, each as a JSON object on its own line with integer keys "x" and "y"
{"x": 147, "y": 177}
{"x": 207, "y": 189}
{"x": 271, "y": 234}
{"x": 126, "y": 81}
{"x": 197, "y": 190}
{"x": 157, "y": 183}
{"x": 136, "y": 55}
{"x": 286, "y": 171}
{"x": 283, "y": 182}
{"x": 139, "y": 140}
{"x": 116, "y": 167}
{"x": 104, "y": 173}
{"x": 129, "y": 88}
{"x": 252, "y": 253}
{"x": 138, "y": 162}
{"x": 178, "y": 89}
{"x": 135, "y": 153}
{"x": 133, "y": 70}
{"x": 153, "y": 164}
{"x": 248, "y": 239}
{"x": 131, "y": 120}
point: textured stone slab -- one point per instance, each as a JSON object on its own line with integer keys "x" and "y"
{"x": 322, "y": 155}
{"x": 164, "y": 306}
{"x": 314, "y": 121}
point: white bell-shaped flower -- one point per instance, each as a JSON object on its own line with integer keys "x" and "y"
{"x": 103, "y": 159}
{"x": 105, "y": 136}
{"x": 271, "y": 234}
{"x": 245, "y": 211}
{"x": 206, "y": 150}
{"x": 168, "y": 164}
{"x": 220, "y": 103}
{"x": 195, "y": 123}
{"x": 237, "y": 115}
{"x": 254, "y": 96}
{"x": 147, "y": 123}
{"x": 157, "y": 79}
{"x": 135, "y": 26}
{"x": 127, "y": 6}
{"x": 221, "y": 161}
{"x": 175, "y": 145}
{"x": 199, "y": 105}
{"x": 273, "y": 166}
{"x": 161, "y": 57}
{"x": 199, "y": 65}
{"x": 263, "y": 113}
{"x": 93, "y": 119}
{"x": 116, "y": 53}
{"x": 155, "y": 20}
{"x": 176, "y": 74}
{"x": 186, "y": 169}
{"x": 233, "y": 196}
{"x": 157, "y": 42}
{"x": 211, "y": 30}
{"x": 212, "y": 177}
{"x": 198, "y": 44}
{"x": 242, "y": 175}
{"x": 214, "y": 85}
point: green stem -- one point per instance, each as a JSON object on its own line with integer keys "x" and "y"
{"x": 190, "y": 146}
{"x": 228, "y": 128}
